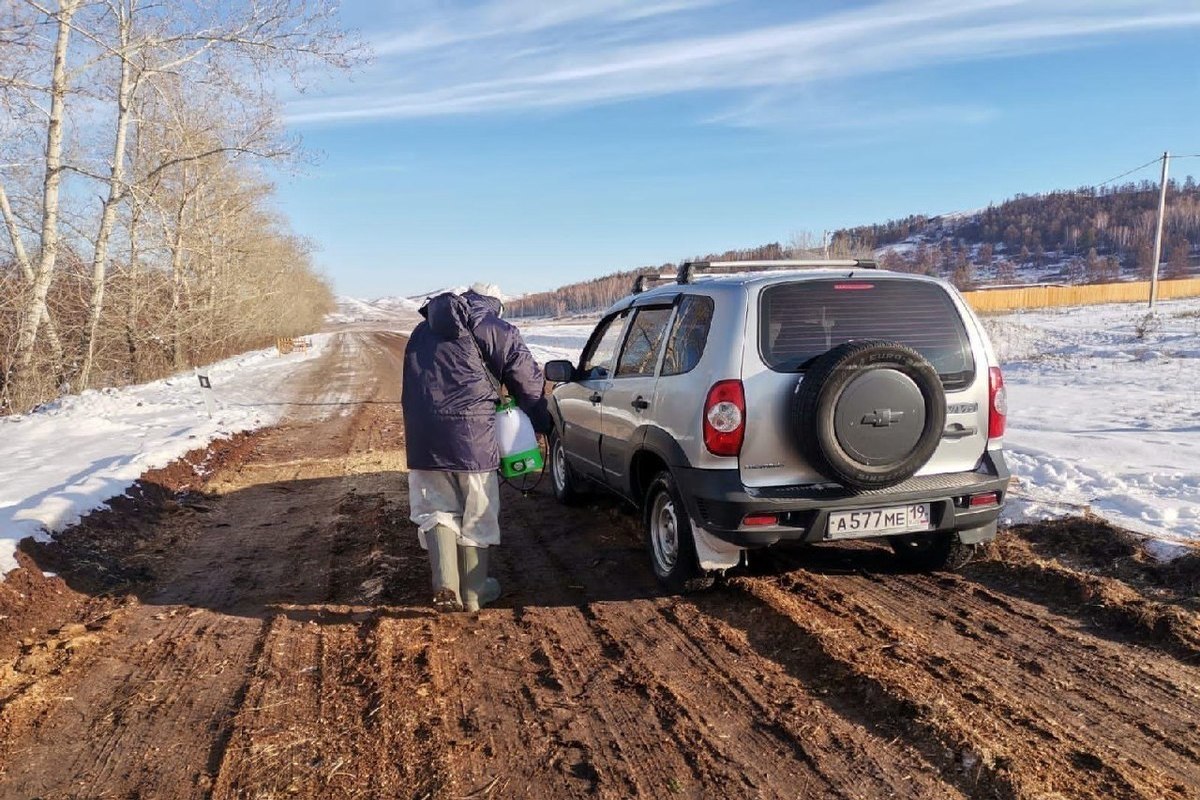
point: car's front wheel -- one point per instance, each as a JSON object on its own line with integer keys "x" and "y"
{"x": 668, "y": 533}
{"x": 563, "y": 480}
{"x": 929, "y": 552}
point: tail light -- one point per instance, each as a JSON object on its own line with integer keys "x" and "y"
{"x": 725, "y": 418}
{"x": 985, "y": 499}
{"x": 997, "y": 403}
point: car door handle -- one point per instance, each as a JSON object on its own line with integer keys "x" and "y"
{"x": 640, "y": 403}
{"x": 596, "y": 398}
{"x": 958, "y": 431}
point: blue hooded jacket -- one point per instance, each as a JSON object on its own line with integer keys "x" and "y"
{"x": 449, "y": 402}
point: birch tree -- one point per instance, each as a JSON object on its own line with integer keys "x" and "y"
{"x": 36, "y": 311}
{"x": 259, "y": 36}
{"x": 139, "y": 63}
{"x": 123, "y": 13}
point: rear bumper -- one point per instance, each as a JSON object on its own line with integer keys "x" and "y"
{"x": 718, "y": 501}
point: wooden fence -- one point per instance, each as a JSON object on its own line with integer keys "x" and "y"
{"x": 993, "y": 300}
{"x": 293, "y": 344}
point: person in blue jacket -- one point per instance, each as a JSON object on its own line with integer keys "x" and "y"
{"x": 449, "y": 402}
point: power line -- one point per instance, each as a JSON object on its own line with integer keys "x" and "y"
{"x": 1135, "y": 169}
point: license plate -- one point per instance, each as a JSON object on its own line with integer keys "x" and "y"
{"x": 872, "y": 521}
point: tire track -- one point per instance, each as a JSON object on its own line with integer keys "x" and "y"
{"x": 636, "y": 665}
{"x": 1062, "y": 706}
{"x": 168, "y": 695}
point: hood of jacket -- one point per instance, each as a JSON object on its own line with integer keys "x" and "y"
{"x": 452, "y": 316}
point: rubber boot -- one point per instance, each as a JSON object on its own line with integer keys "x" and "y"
{"x": 443, "y": 563}
{"x": 477, "y": 588}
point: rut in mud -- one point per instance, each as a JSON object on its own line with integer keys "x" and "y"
{"x": 258, "y": 629}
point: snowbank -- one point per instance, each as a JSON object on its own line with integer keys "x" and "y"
{"x": 1105, "y": 414}
{"x": 68, "y": 457}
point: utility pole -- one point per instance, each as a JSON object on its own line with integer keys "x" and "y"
{"x": 1162, "y": 211}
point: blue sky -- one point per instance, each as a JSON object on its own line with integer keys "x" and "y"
{"x": 537, "y": 142}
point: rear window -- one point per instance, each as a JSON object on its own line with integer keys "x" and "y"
{"x": 800, "y": 321}
{"x": 689, "y": 335}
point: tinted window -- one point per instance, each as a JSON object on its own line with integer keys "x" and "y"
{"x": 603, "y": 348}
{"x": 689, "y": 335}
{"x": 640, "y": 354}
{"x": 800, "y": 321}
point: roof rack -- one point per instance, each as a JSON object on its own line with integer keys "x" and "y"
{"x": 689, "y": 269}
{"x": 639, "y": 283}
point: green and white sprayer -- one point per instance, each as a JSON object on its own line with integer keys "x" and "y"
{"x": 519, "y": 451}
{"x": 520, "y": 455}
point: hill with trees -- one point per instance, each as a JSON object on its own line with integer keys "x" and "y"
{"x": 1088, "y": 235}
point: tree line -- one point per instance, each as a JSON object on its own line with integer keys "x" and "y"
{"x": 139, "y": 229}
{"x": 1090, "y": 235}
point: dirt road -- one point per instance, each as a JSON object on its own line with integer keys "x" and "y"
{"x": 250, "y": 623}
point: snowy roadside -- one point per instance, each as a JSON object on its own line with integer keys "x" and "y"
{"x": 68, "y": 457}
{"x": 1105, "y": 415}
{"x": 1101, "y": 419}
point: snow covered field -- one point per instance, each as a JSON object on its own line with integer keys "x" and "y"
{"x": 550, "y": 340}
{"x": 1101, "y": 418}
{"x": 1105, "y": 414}
{"x": 71, "y": 455}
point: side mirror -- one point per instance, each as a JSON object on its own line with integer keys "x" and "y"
{"x": 559, "y": 371}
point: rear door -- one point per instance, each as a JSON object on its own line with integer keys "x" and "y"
{"x": 580, "y": 401}
{"x": 796, "y": 322}
{"x": 684, "y": 376}
{"x": 629, "y": 399}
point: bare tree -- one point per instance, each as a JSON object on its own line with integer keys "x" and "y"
{"x": 1179, "y": 259}
{"x": 26, "y": 266}
{"x": 185, "y": 96}
{"x": 262, "y": 34}
{"x": 52, "y": 181}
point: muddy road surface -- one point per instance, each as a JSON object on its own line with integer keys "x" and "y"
{"x": 250, "y": 622}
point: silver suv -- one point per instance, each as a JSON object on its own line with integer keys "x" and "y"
{"x": 741, "y": 404}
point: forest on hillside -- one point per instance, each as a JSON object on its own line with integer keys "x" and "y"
{"x": 140, "y": 234}
{"x": 1089, "y": 235}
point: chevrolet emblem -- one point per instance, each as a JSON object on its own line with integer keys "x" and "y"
{"x": 882, "y": 418}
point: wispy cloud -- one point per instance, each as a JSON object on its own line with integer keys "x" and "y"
{"x": 777, "y": 108}
{"x": 501, "y": 19}
{"x": 529, "y": 54}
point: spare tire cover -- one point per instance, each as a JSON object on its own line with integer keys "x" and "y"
{"x": 869, "y": 414}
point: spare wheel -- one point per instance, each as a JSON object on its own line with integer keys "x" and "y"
{"x": 869, "y": 414}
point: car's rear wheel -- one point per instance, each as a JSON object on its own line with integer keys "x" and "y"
{"x": 562, "y": 478}
{"x": 930, "y": 552}
{"x": 668, "y": 533}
